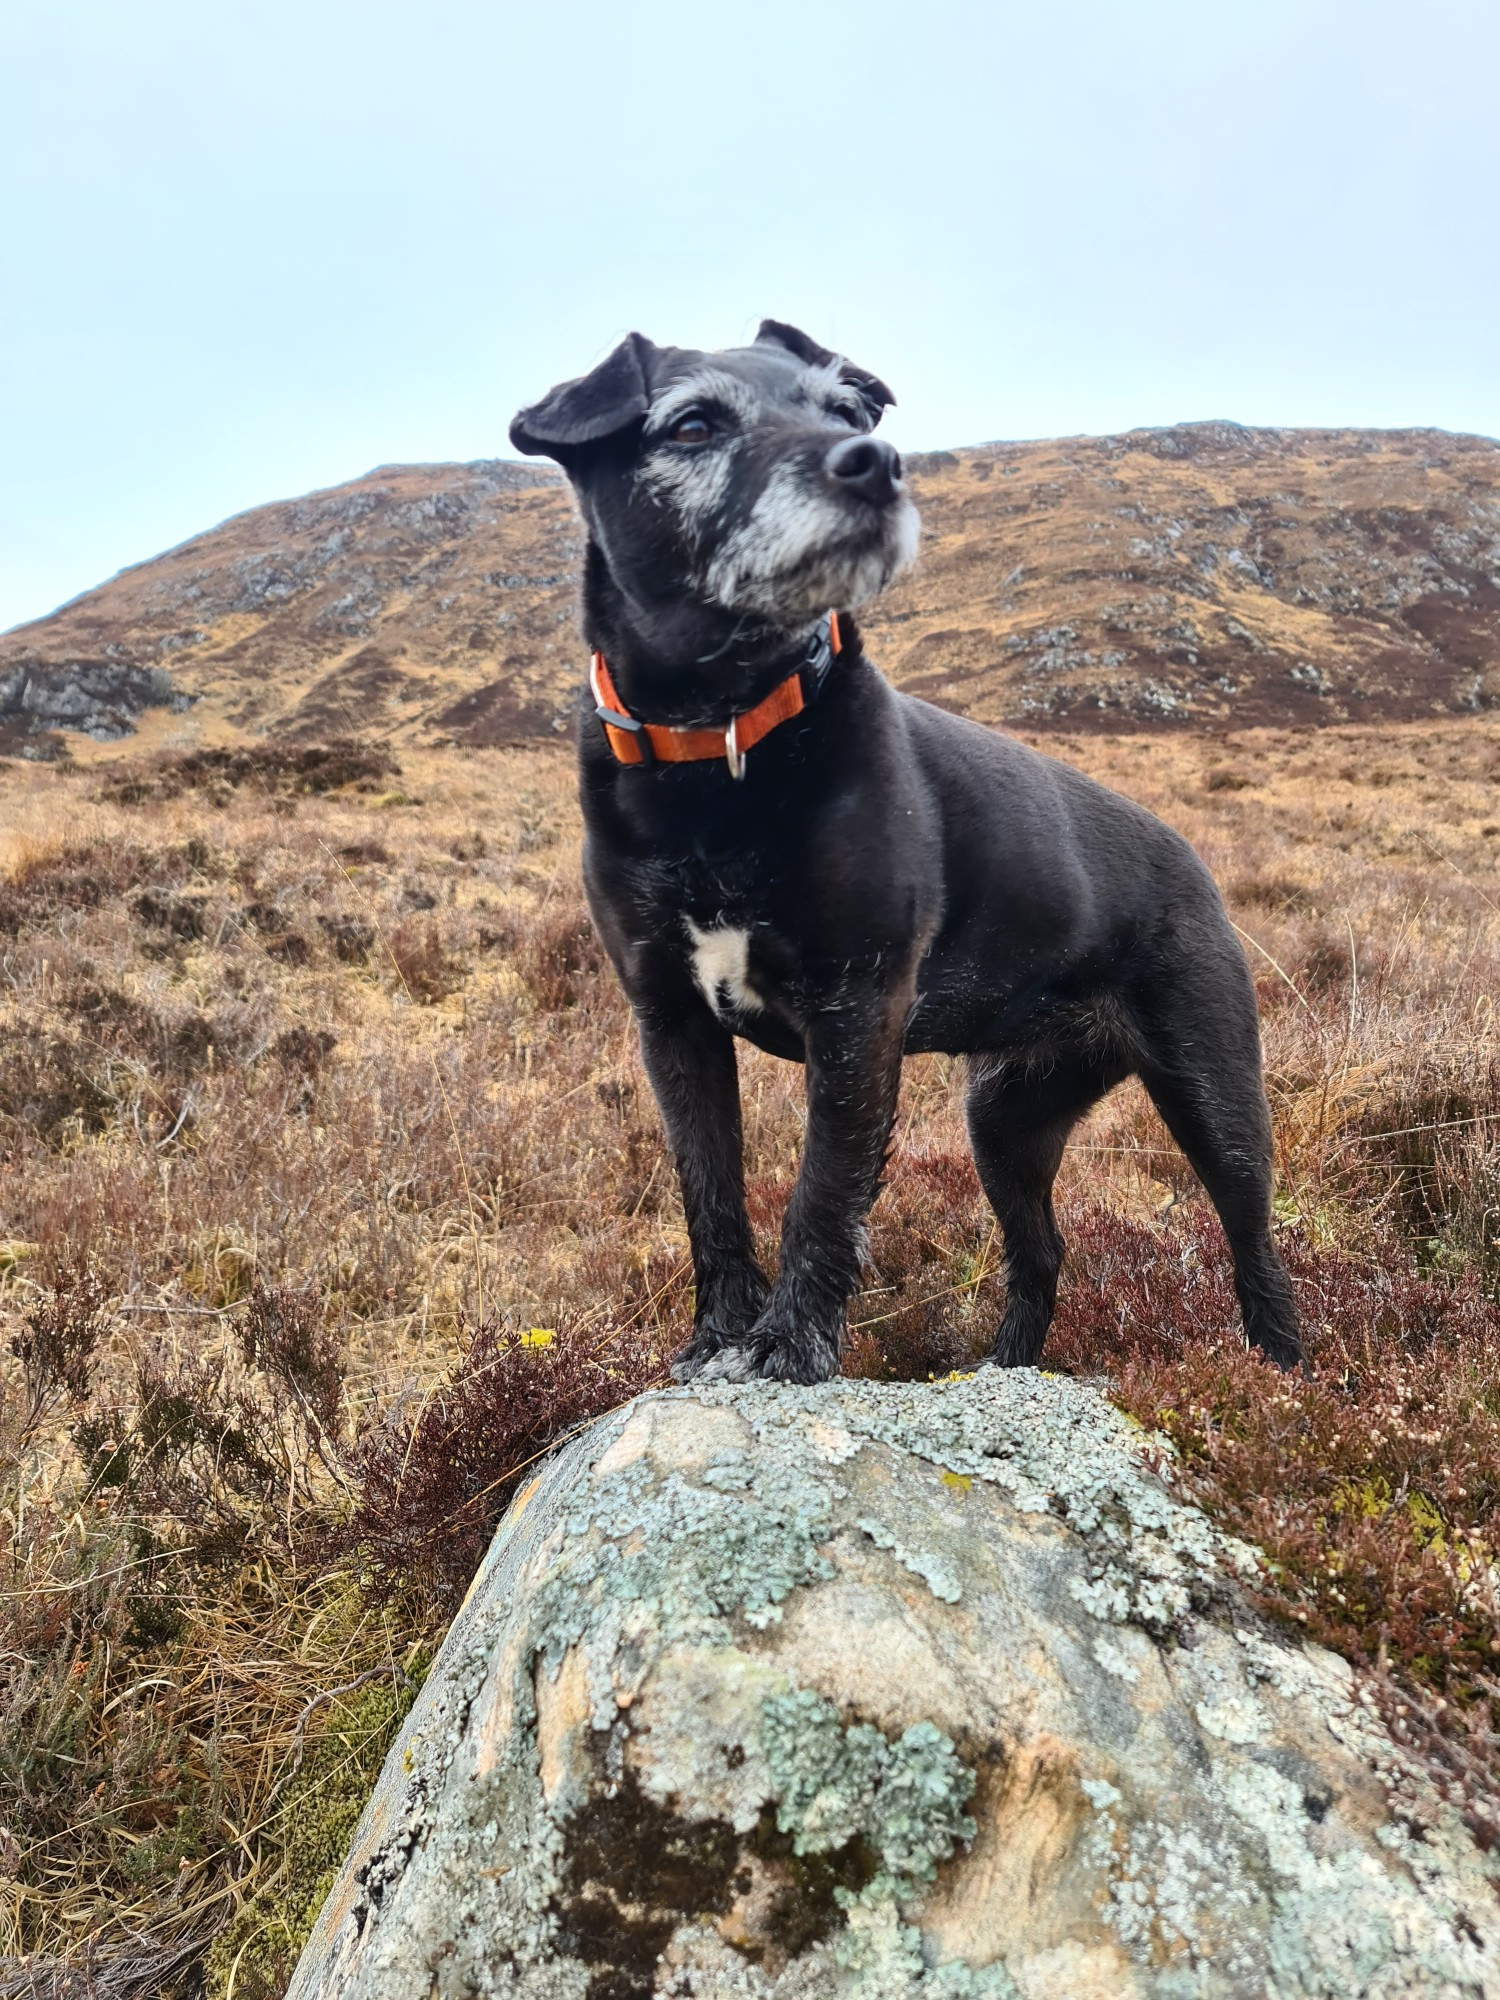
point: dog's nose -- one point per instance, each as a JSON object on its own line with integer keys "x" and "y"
{"x": 867, "y": 466}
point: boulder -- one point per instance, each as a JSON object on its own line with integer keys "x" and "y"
{"x": 895, "y": 1692}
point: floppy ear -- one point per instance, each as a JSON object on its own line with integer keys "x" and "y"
{"x": 594, "y": 406}
{"x": 872, "y": 391}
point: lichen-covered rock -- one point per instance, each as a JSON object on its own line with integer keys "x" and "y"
{"x": 894, "y": 1692}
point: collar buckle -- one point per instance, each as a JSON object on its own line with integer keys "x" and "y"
{"x": 734, "y": 757}
{"x": 822, "y": 649}
{"x": 613, "y": 719}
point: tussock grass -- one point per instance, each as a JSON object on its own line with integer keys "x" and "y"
{"x": 333, "y": 1193}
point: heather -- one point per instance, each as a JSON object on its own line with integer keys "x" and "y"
{"x": 333, "y": 1195}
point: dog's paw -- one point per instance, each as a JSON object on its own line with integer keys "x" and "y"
{"x": 711, "y": 1356}
{"x": 695, "y": 1353}
{"x": 804, "y": 1361}
{"x": 730, "y": 1364}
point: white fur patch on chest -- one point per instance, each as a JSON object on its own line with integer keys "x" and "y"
{"x": 721, "y": 966}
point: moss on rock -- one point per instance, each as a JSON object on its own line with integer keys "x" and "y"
{"x": 253, "y": 1956}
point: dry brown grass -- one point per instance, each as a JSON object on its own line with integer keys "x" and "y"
{"x": 357, "y": 1049}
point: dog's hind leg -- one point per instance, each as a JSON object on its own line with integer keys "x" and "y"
{"x": 1203, "y": 1072}
{"x": 1018, "y": 1127}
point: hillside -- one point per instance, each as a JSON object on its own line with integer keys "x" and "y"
{"x": 1205, "y": 573}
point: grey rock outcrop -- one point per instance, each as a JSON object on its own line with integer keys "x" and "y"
{"x": 99, "y": 698}
{"x": 895, "y": 1692}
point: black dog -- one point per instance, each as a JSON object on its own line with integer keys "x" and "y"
{"x": 887, "y": 877}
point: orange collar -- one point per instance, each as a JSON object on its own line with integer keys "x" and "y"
{"x": 636, "y": 742}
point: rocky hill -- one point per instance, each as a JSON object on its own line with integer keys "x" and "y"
{"x": 1202, "y": 574}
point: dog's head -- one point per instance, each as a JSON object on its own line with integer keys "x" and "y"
{"x": 747, "y": 479}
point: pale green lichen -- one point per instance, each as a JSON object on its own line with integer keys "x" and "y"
{"x": 823, "y": 1775}
{"x": 882, "y": 1959}
{"x": 934, "y": 1572}
{"x": 697, "y": 1557}
{"x": 1236, "y": 1718}
{"x": 1114, "y": 1660}
{"x": 835, "y": 1782}
{"x": 1340, "y": 1916}
{"x": 1052, "y": 1446}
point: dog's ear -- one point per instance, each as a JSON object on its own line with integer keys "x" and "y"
{"x": 595, "y": 406}
{"x": 872, "y": 391}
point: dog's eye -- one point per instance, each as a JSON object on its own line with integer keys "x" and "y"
{"x": 693, "y": 428}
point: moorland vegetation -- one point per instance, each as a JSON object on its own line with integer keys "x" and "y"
{"x": 333, "y": 1194}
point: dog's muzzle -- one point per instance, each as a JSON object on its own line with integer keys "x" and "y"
{"x": 867, "y": 467}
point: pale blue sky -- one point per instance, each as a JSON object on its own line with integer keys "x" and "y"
{"x": 252, "y": 247}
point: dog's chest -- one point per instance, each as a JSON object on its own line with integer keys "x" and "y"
{"x": 721, "y": 919}
{"x": 719, "y": 957}
{"x": 747, "y": 971}
{"x": 739, "y": 952}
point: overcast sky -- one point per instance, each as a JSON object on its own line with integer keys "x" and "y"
{"x": 252, "y": 247}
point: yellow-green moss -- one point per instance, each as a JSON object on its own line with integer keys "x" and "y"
{"x": 302, "y": 1848}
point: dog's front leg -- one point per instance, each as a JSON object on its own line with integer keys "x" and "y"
{"x": 853, "y": 1059}
{"x": 690, "y": 1060}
